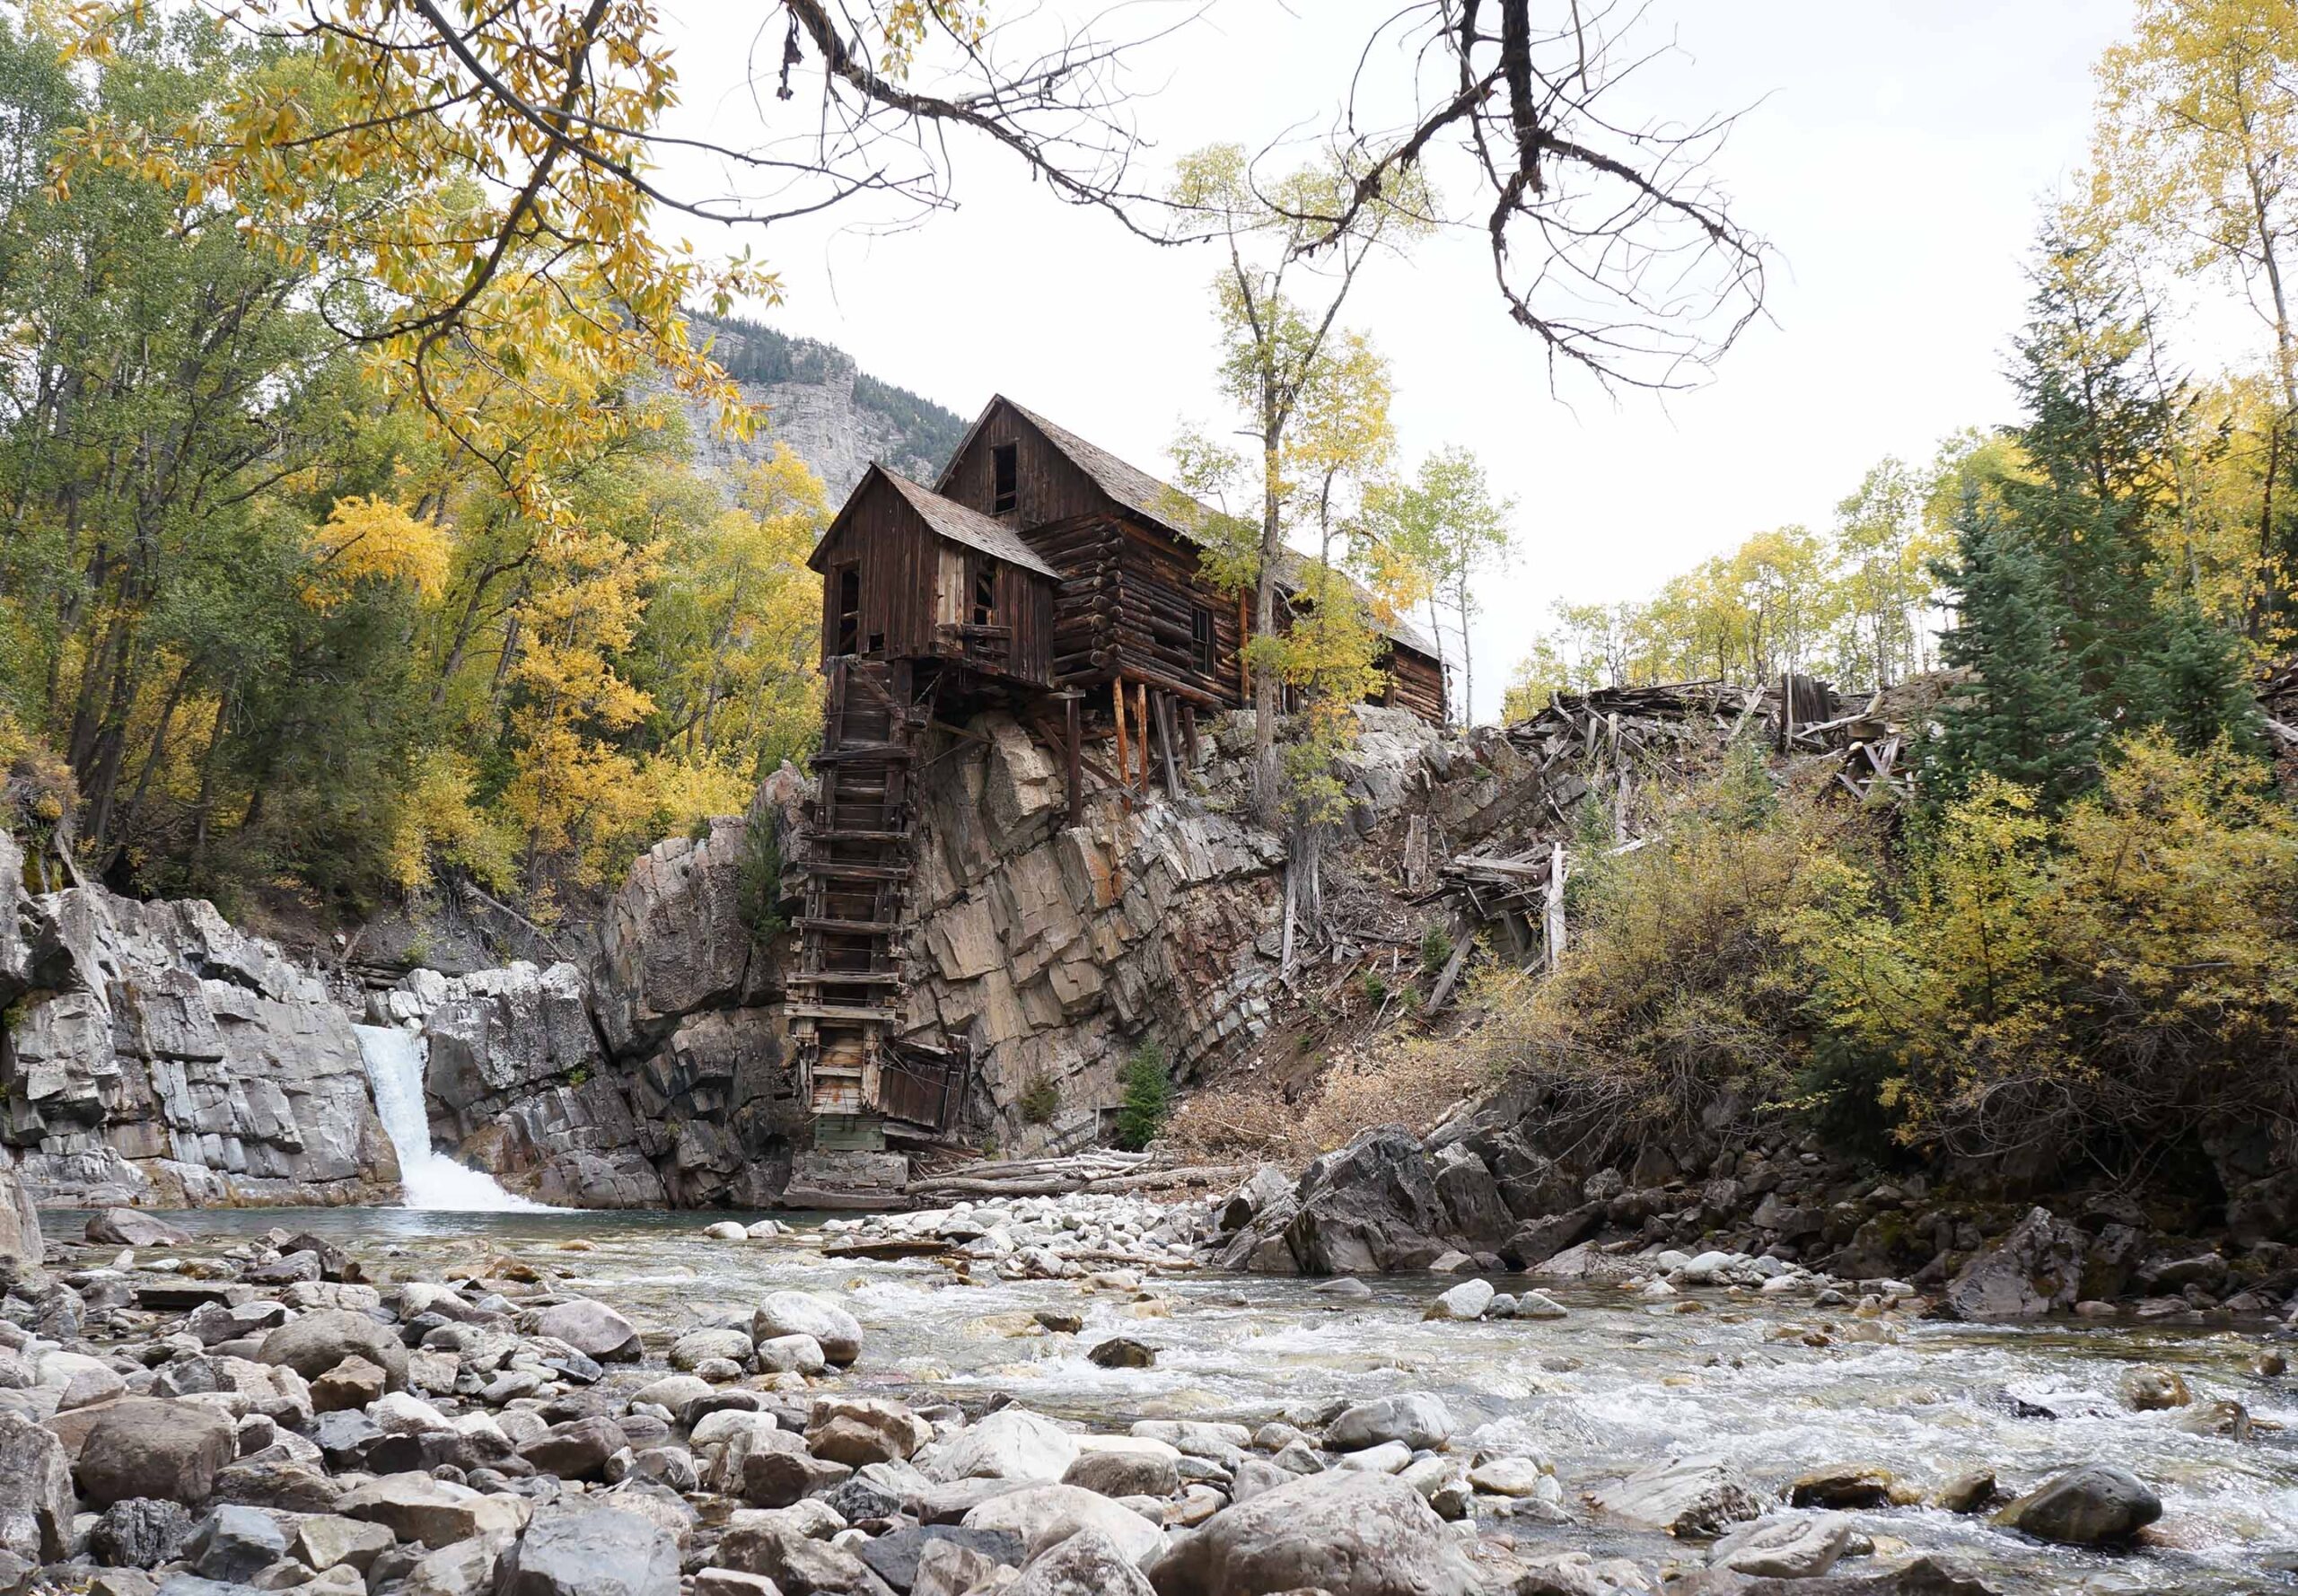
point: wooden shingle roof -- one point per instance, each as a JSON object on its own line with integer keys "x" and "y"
{"x": 948, "y": 519}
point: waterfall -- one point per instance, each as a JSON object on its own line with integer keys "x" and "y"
{"x": 395, "y": 1058}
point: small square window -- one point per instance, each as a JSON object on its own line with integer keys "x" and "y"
{"x": 1006, "y": 466}
{"x": 1200, "y": 639}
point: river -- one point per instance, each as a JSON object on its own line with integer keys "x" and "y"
{"x": 1617, "y": 1383}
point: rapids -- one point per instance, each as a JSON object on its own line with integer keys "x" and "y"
{"x": 1617, "y": 1384}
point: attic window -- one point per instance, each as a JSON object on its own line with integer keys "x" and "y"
{"x": 1200, "y": 639}
{"x": 1005, "y": 469}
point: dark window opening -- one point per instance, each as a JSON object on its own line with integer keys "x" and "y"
{"x": 877, "y": 643}
{"x": 1006, "y": 466}
{"x": 849, "y": 609}
{"x": 1201, "y": 637}
{"x": 985, "y": 592}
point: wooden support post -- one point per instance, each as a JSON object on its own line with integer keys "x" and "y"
{"x": 1141, "y": 725}
{"x": 1188, "y": 733}
{"x": 1124, "y": 758}
{"x": 1076, "y": 775}
{"x": 1165, "y": 744}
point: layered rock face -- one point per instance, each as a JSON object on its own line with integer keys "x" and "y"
{"x": 1056, "y": 951}
{"x": 665, "y": 1082}
{"x": 154, "y": 1054}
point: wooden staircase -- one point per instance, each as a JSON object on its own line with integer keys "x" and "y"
{"x": 844, "y": 997}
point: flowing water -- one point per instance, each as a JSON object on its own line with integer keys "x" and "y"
{"x": 1615, "y": 1385}
{"x": 395, "y": 1060}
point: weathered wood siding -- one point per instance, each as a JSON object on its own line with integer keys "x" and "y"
{"x": 901, "y": 561}
{"x": 1416, "y": 682}
{"x": 1047, "y": 487}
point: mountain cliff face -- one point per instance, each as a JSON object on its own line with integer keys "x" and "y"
{"x": 837, "y": 417}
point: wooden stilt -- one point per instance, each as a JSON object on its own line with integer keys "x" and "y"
{"x": 1141, "y": 725}
{"x": 1076, "y": 775}
{"x": 1124, "y": 758}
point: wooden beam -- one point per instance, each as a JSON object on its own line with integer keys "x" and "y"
{"x": 1141, "y": 725}
{"x": 1117, "y": 703}
{"x": 1076, "y": 776}
{"x": 1244, "y": 636}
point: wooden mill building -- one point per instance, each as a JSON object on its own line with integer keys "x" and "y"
{"x": 1040, "y": 573}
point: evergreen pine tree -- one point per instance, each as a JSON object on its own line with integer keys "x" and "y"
{"x": 2097, "y": 422}
{"x": 2023, "y": 715}
{"x": 2198, "y": 687}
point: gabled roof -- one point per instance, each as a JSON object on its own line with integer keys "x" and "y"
{"x": 948, "y": 519}
{"x": 1162, "y": 503}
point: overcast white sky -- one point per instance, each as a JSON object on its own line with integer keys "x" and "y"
{"x": 1894, "y": 154}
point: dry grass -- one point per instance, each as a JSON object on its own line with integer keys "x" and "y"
{"x": 1408, "y": 1081}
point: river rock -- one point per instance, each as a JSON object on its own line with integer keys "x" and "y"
{"x": 859, "y": 1430}
{"x": 2151, "y": 1391}
{"x": 1348, "y": 1534}
{"x": 235, "y": 1544}
{"x": 139, "y": 1532}
{"x": 797, "y": 1564}
{"x": 126, "y": 1227}
{"x": 1046, "y": 1515}
{"x": 697, "y": 1347}
{"x": 790, "y": 1355}
{"x": 2034, "y": 1270}
{"x": 318, "y": 1341}
{"x": 460, "y": 1568}
{"x": 576, "y": 1450}
{"x": 801, "y": 1313}
{"x": 1691, "y": 1498}
{"x": 1087, "y": 1563}
{"x": 1121, "y": 1352}
{"x": 1466, "y": 1301}
{"x": 145, "y": 1447}
{"x": 1841, "y": 1485}
{"x": 586, "y": 1550}
{"x": 353, "y": 1382}
{"x": 324, "y": 1541}
{"x": 35, "y": 1491}
{"x": 2084, "y": 1506}
{"x": 1417, "y": 1419}
{"x": 591, "y": 1327}
{"x": 1126, "y": 1468}
{"x": 1785, "y": 1548}
{"x": 1507, "y": 1477}
{"x": 1011, "y": 1443}
{"x": 417, "y": 1507}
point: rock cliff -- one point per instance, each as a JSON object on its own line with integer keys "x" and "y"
{"x": 154, "y": 1054}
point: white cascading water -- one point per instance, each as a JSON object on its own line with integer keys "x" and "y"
{"x": 395, "y": 1060}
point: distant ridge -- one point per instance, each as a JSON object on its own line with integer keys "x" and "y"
{"x": 837, "y": 417}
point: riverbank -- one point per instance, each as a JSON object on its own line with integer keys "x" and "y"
{"x": 557, "y": 1366}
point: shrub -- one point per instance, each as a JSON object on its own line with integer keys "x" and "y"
{"x": 1148, "y": 1097}
{"x": 1376, "y": 987}
{"x": 1435, "y": 949}
{"x": 758, "y": 882}
{"x": 1041, "y": 1100}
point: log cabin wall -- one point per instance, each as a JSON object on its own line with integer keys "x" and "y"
{"x": 1049, "y": 486}
{"x": 1416, "y": 682}
{"x": 1159, "y": 586}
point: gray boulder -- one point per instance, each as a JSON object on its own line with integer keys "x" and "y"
{"x": 35, "y": 1491}
{"x": 1690, "y": 1498}
{"x": 1372, "y": 1207}
{"x": 140, "y": 1533}
{"x": 127, "y": 1227}
{"x": 1799, "y": 1548}
{"x": 143, "y": 1447}
{"x": 2034, "y": 1270}
{"x": 235, "y": 1544}
{"x": 1087, "y": 1563}
{"x": 318, "y": 1342}
{"x": 801, "y": 1313}
{"x": 591, "y": 1327}
{"x": 1346, "y": 1533}
{"x": 2084, "y": 1506}
{"x": 580, "y": 1551}
{"x": 1417, "y": 1418}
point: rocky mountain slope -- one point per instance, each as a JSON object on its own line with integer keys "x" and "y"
{"x": 836, "y": 417}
